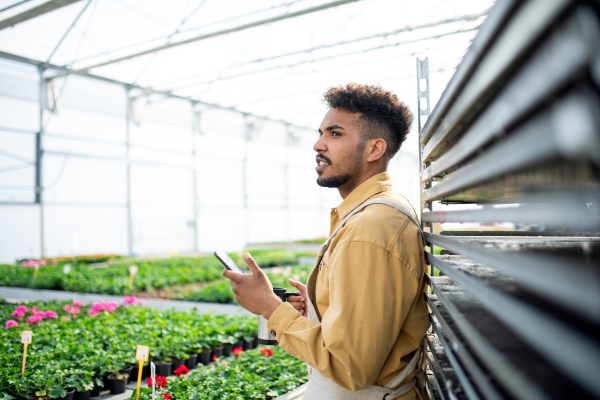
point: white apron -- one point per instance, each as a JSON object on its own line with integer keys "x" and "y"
{"x": 322, "y": 388}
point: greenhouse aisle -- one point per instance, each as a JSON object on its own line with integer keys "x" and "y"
{"x": 12, "y": 294}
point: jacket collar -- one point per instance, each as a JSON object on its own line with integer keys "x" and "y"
{"x": 369, "y": 188}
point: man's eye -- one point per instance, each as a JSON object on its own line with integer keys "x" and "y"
{"x": 334, "y": 133}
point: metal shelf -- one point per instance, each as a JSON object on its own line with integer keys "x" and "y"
{"x": 467, "y": 369}
{"x": 565, "y": 280}
{"x": 563, "y": 59}
{"x": 570, "y": 350}
{"x": 444, "y": 375}
{"x": 496, "y": 20}
{"x": 570, "y": 215}
{"x": 517, "y": 36}
{"x": 545, "y": 152}
{"x": 514, "y": 365}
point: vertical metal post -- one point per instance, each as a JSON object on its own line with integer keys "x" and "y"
{"x": 286, "y": 181}
{"x": 197, "y": 128}
{"x": 128, "y": 119}
{"x": 423, "y": 107}
{"x": 247, "y": 135}
{"x": 39, "y": 198}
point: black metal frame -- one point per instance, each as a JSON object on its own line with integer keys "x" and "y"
{"x": 517, "y": 314}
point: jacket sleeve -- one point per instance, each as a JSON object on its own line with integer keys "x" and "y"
{"x": 371, "y": 292}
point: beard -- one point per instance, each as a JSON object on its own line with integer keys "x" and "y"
{"x": 353, "y": 169}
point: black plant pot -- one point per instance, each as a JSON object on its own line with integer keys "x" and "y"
{"x": 69, "y": 396}
{"x": 95, "y": 391}
{"x": 240, "y": 343}
{"x": 127, "y": 370}
{"x": 83, "y": 395}
{"x": 164, "y": 368}
{"x": 255, "y": 342}
{"x": 204, "y": 357}
{"x": 178, "y": 363}
{"x": 247, "y": 345}
{"x": 135, "y": 370}
{"x": 227, "y": 349}
{"x": 216, "y": 351}
{"x": 192, "y": 361}
{"x": 117, "y": 386}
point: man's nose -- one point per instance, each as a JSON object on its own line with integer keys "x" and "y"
{"x": 320, "y": 146}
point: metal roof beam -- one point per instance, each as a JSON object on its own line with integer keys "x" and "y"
{"x": 42, "y": 64}
{"x": 35, "y": 12}
{"x": 214, "y": 34}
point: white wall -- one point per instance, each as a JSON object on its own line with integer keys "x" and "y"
{"x": 85, "y": 175}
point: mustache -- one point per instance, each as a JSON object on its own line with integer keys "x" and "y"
{"x": 319, "y": 155}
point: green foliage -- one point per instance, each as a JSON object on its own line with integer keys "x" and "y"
{"x": 112, "y": 277}
{"x": 251, "y": 376}
{"x": 75, "y": 352}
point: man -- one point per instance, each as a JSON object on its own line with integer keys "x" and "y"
{"x": 360, "y": 321}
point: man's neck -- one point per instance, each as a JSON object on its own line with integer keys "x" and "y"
{"x": 352, "y": 184}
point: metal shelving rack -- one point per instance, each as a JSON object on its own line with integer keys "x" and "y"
{"x": 516, "y": 315}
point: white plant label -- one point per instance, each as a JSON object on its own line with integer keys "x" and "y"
{"x": 26, "y": 336}
{"x": 153, "y": 376}
{"x": 67, "y": 269}
{"x": 142, "y": 353}
{"x": 133, "y": 270}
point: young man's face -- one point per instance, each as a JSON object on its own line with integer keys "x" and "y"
{"x": 340, "y": 149}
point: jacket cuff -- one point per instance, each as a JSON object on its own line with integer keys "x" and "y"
{"x": 281, "y": 318}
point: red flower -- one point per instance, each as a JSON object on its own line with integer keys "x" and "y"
{"x": 167, "y": 396}
{"x": 266, "y": 351}
{"x": 161, "y": 382}
{"x": 215, "y": 357}
{"x": 236, "y": 352}
{"x": 181, "y": 370}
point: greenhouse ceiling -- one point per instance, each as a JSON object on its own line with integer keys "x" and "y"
{"x": 272, "y": 58}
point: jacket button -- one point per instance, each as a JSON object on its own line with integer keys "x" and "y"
{"x": 273, "y": 332}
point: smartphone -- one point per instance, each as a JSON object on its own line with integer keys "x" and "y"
{"x": 227, "y": 262}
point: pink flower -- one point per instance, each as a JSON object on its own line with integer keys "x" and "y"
{"x": 66, "y": 308}
{"x": 50, "y": 314}
{"x": 74, "y": 310}
{"x": 11, "y": 323}
{"x": 22, "y": 308}
{"x": 93, "y": 312}
{"x": 34, "y": 310}
{"x": 41, "y": 315}
{"x": 129, "y": 300}
{"x": 141, "y": 302}
{"x": 67, "y": 318}
{"x": 18, "y": 313}
{"x": 33, "y": 320}
{"x": 112, "y": 305}
{"x": 32, "y": 263}
{"x": 25, "y": 263}
{"x": 42, "y": 262}
{"x": 77, "y": 303}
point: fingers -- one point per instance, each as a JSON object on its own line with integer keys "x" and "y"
{"x": 231, "y": 275}
{"x": 297, "y": 285}
{"x": 252, "y": 264}
{"x": 296, "y": 299}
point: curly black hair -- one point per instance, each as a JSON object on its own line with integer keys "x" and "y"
{"x": 383, "y": 115}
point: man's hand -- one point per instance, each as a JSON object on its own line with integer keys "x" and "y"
{"x": 299, "y": 302}
{"x": 253, "y": 292}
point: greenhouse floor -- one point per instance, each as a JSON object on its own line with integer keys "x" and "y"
{"x": 12, "y": 294}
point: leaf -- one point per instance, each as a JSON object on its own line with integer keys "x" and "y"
{"x": 5, "y": 396}
{"x": 40, "y": 393}
{"x": 57, "y": 393}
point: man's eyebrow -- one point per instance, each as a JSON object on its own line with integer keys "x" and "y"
{"x": 335, "y": 126}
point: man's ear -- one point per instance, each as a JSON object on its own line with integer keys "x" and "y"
{"x": 376, "y": 149}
